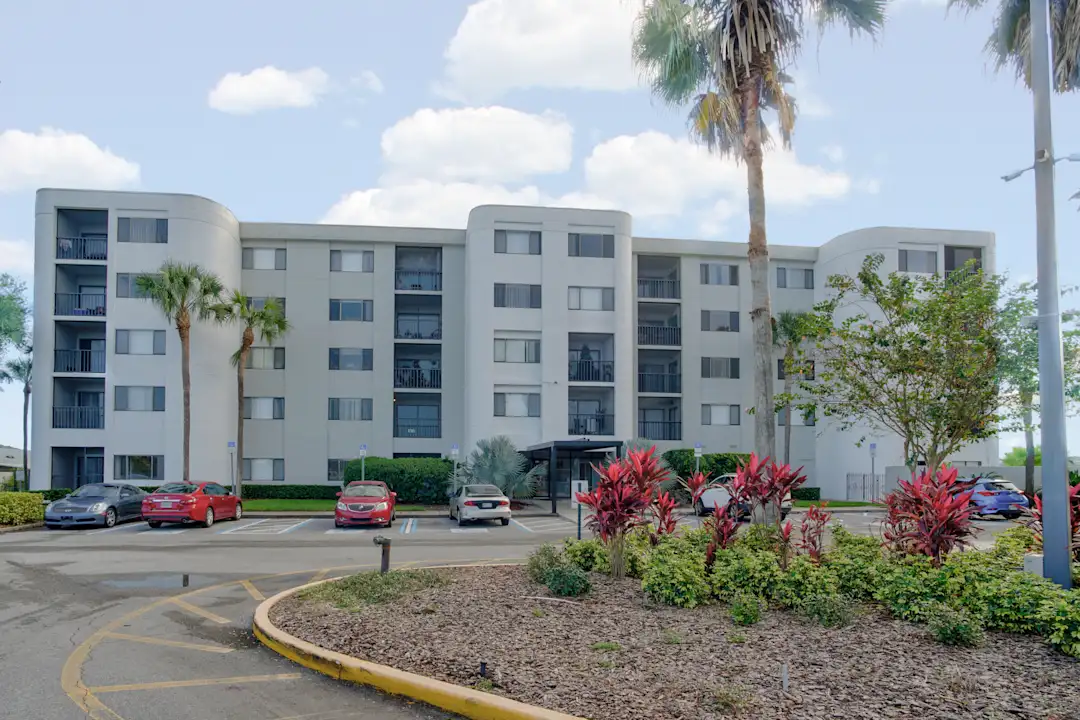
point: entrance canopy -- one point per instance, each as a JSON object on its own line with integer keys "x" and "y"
{"x": 569, "y": 460}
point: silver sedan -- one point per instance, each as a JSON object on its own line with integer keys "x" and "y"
{"x": 479, "y": 502}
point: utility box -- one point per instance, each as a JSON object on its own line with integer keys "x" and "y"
{"x": 1033, "y": 563}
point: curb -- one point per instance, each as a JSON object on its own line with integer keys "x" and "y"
{"x": 21, "y": 528}
{"x": 446, "y": 696}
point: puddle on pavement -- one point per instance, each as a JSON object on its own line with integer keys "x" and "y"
{"x": 158, "y": 581}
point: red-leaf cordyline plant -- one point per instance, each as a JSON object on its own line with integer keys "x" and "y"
{"x": 786, "y": 544}
{"x": 619, "y": 503}
{"x": 763, "y": 484}
{"x": 723, "y": 524}
{"x": 696, "y": 485}
{"x": 646, "y": 470}
{"x": 780, "y": 481}
{"x": 663, "y": 510}
{"x": 813, "y": 531}
{"x": 929, "y": 515}
{"x": 1035, "y": 520}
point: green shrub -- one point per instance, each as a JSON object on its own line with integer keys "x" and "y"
{"x": 856, "y": 562}
{"x": 567, "y": 581}
{"x": 636, "y": 553}
{"x": 589, "y": 555}
{"x": 20, "y": 508}
{"x": 1060, "y": 619}
{"x": 55, "y": 494}
{"x": 1014, "y": 543}
{"x": 415, "y": 480}
{"x": 951, "y": 626}
{"x": 806, "y": 493}
{"x": 681, "y": 462}
{"x": 252, "y": 491}
{"x": 829, "y": 610}
{"x": 542, "y": 561}
{"x": 910, "y": 587}
{"x": 1015, "y": 603}
{"x": 675, "y": 574}
{"x": 739, "y": 570}
{"x": 746, "y": 608}
{"x": 759, "y": 538}
{"x": 804, "y": 579}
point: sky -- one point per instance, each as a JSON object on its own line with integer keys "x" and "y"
{"x": 354, "y": 112}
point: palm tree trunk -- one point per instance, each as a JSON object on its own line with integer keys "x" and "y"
{"x": 1029, "y": 444}
{"x": 789, "y": 357}
{"x": 183, "y": 326}
{"x": 25, "y": 430}
{"x": 245, "y": 350}
{"x": 758, "y": 254}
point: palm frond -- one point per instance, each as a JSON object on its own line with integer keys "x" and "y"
{"x": 179, "y": 288}
{"x": 1009, "y": 44}
{"x": 496, "y": 461}
{"x": 669, "y": 50}
{"x": 865, "y": 17}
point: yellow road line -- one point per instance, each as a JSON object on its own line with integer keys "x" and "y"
{"x": 253, "y": 591}
{"x": 319, "y": 575}
{"x": 193, "y": 683}
{"x": 196, "y": 610}
{"x": 170, "y": 643}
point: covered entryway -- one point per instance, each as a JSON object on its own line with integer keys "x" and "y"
{"x": 569, "y": 460}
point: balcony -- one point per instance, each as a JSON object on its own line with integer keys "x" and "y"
{"x": 656, "y": 382}
{"x": 590, "y": 424}
{"x": 417, "y": 415}
{"x": 78, "y": 361}
{"x": 659, "y": 419}
{"x": 79, "y": 304}
{"x": 591, "y": 357}
{"x": 418, "y": 317}
{"x": 418, "y": 378}
{"x": 659, "y": 335}
{"x": 418, "y": 269}
{"x": 592, "y": 371}
{"x": 82, "y": 234}
{"x": 660, "y": 429}
{"x": 418, "y": 280}
{"x": 658, "y": 289}
{"x": 658, "y": 278}
{"x": 418, "y": 429}
{"x": 79, "y": 418}
{"x": 81, "y": 248}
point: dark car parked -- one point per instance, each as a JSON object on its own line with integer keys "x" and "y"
{"x": 96, "y": 505}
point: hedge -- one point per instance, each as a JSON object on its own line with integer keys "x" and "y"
{"x": 805, "y": 493}
{"x": 421, "y": 481}
{"x": 289, "y": 492}
{"x": 681, "y": 462}
{"x": 20, "y": 508}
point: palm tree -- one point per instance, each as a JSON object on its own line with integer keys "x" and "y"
{"x": 789, "y": 332}
{"x": 727, "y": 59}
{"x": 496, "y": 461}
{"x": 269, "y": 323}
{"x": 21, "y": 369}
{"x": 184, "y": 293}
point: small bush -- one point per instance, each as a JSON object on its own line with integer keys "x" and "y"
{"x": 589, "y": 555}
{"x": 746, "y": 608}
{"x": 251, "y": 491}
{"x": 832, "y": 611}
{"x": 804, "y": 579}
{"x": 736, "y": 570}
{"x": 805, "y": 493}
{"x": 910, "y": 587}
{"x": 373, "y": 588}
{"x": 1061, "y": 620}
{"x": 681, "y": 462}
{"x": 950, "y": 626}
{"x": 415, "y": 480}
{"x": 1014, "y": 543}
{"x": 675, "y": 574}
{"x": 20, "y": 508}
{"x": 567, "y": 581}
{"x": 1015, "y": 603}
{"x": 55, "y": 494}
{"x": 760, "y": 538}
{"x": 543, "y": 560}
{"x": 857, "y": 563}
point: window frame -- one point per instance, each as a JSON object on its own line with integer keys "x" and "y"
{"x": 122, "y": 341}
{"x": 278, "y": 262}
{"x": 277, "y": 470}
{"x": 367, "y": 309}
{"x": 733, "y": 321}
{"x": 533, "y": 407}
{"x": 122, "y": 398}
{"x": 534, "y": 242}
{"x": 575, "y": 244}
{"x": 535, "y": 296}
{"x": 277, "y": 362}
{"x": 366, "y": 363}
{"x": 903, "y": 260}
{"x": 607, "y": 298}
{"x": 531, "y": 348}
{"x": 710, "y": 364}
{"x": 734, "y": 414}
{"x": 367, "y": 260}
{"x": 277, "y": 407}
{"x": 157, "y": 468}
{"x": 123, "y": 230}
{"x": 367, "y": 407}
{"x": 727, "y": 272}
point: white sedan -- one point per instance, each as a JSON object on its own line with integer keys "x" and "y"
{"x": 718, "y": 496}
{"x": 479, "y": 502}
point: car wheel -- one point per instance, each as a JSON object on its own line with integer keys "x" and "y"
{"x": 209, "y": 517}
{"x": 154, "y": 523}
{"x": 460, "y": 522}
{"x": 450, "y": 512}
{"x": 1010, "y": 515}
{"x": 338, "y": 525}
{"x": 110, "y": 518}
{"x": 504, "y": 521}
{"x": 783, "y": 515}
{"x": 390, "y": 522}
{"x": 239, "y": 512}
{"x": 699, "y": 508}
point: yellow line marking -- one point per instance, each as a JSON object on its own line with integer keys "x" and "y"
{"x": 253, "y": 591}
{"x": 170, "y": 643}
{"x": 196, "y": 610}
{"x": 319, "y": 575}
{"x": 193, "y": 683}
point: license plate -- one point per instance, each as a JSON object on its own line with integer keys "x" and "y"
{"x": 487, "y": 506}
{"x": 67, "y": 517}
{"x": 166, "y": 504}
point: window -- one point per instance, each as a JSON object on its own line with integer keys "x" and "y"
{"x": 719, "y": 321}
{"x": 264, "y": 408}
{"x": 141, "y": 398}
{"x": 258, "y": 303}
{"x": 591, "y": 245}
{"x": 127, "y": 285}
{"x": 266, "y": 358}
{"x": 957, "y": 257}
{"x": 262, "y": 258}
{"x": 352, "y": 261}
{"x": 351, "y": 358}
{"x": 517, "y": 351}
{"x": 263, "y": 469}
{"x": 918, "y": 261}
{"x": 142, "y": 230}
{"x": 591, "y": 298}
{"x": 720, "y": 367}
{"x": 335, "y": 470}
{"x": 140, "y": 342}
{"x": 138, "y": 467}
{"x": 721, "y": 414}
{"x": 517, "y": 404}
{"x": 806, "y": 367}
{"x": 517, "y": 242}
{"x": 517, "y": 296}
{"x": 352, "y": 310}
{"x": 350, "y": 409}
{"x": 795, "y": 278}
{"x": 719, "y": 274}
{"x": 807, "y": 418}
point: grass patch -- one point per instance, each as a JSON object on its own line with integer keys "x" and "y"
{"x": 736, "y": 638}
{"x": 606, "y": 647}
{"x": 835, "y": 503}
{"x": 672, "y": 638}
{"x": 373, "y": 588}
{"x": 484, "y": 685}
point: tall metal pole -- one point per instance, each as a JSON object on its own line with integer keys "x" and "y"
{"x": 1055, "y": 476}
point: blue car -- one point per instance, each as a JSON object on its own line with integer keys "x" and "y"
{"x": 992, "y": 496}
{"x": 96, "y": 505}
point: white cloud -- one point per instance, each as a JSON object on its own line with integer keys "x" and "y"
{"x": 808, "y": 103}
{"x": 268, "y": 88}
{"x": 871, "y": 186}
{"x": 370, "y": 82}
{"x": 490, "y": 144}
{"x": 833, "y": 153}
{"x": 423, "y": 203}
{"x": 501, "y": 45}
{"x": 17, "y": 258}
{"x": 60, "y": 159}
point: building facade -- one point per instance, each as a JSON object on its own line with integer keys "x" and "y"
{"x": 537, "y": 323}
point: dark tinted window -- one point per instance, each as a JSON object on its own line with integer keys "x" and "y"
{"x": 370, "y": 491}
{"x": 94, "y": 490}
{"x": 178, "y": 488}
{"x": 482, "y": 490}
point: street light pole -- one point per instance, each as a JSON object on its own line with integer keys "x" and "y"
{"x": 1056, "y": 540}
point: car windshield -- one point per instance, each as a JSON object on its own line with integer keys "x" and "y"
{"x": 482, "y": 491}
{"x": 368, "y": 491}
{"x": 87, "y": 491}
{"x": 178, "y": 488}
{"x": 1001, "y": 486}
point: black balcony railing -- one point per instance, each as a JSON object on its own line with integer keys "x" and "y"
{"x": 79, "y": 361}
{"x": 417, "y": 378}
{"x": 417, "y": 429}
{"x": 660, "y": 429}
{"x": 79, "y": 248}
{"x": 78, "y": 418}
{"x": 659, "y": 335}
{"x": 650, "y": 289}
{"x": 77, "y": 481}
{"x": 659, "y": 383}
{"x": 422, "y": 280}
{"x": 592, "y": 371}
{"x": 79, "y": 304}
{"x": 591, "y": 424}
{"x": 418, "y": 328}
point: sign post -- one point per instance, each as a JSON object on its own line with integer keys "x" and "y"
{"x": 363, "y": 462}
{"x": 454, "y": 452}
{"x": 873, "y": 459}
{"x": 232, "y": 468}
{"x": 697, "y": 457}
{"x": 578, "y": 486}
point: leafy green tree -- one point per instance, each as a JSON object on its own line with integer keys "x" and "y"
{"x": 1018, "y": 456}
{"x": 20, "y": 369}
{"x": 727, "y": 60}
{"x": 916, "y": 356}
{"x": 496, "y": 461}
{"x": 14, "y": 313}
{"x": 184, "y": 293}
{"x": 269, "y": 323}
{"x": 790, "y": 332}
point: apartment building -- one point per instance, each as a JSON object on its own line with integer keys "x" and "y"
{"x": 539, "y": 323}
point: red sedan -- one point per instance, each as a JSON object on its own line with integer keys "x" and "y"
{"x": 190, "y": 503}
{"x": 366, "y": 503}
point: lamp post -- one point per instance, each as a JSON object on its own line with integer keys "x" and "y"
{"x": 454, "y": 452}
{"x": 697, "y": 458}
{"x": 363, "y": 463}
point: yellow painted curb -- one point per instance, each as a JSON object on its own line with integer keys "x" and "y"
{"x": 447, "y": 696}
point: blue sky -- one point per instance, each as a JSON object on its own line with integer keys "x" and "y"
{"x": 410, "y": 112}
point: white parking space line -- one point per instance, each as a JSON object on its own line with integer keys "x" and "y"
{"x": 349, "y": 531}
{"x": 241, "y": 528}
{"x": 133, "y": 527}
{"x": 407, "y": 526}
{"x": 468, "y": 530}
{"x": 522, "y": 525}
{"x": 293, "y": 527}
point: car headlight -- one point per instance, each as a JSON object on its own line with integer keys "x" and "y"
{"x": 341, "y": 506}
{"x": 49, "y": 507}
{"x": 381, "y": 506}
{"x": 97, "y": 508}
